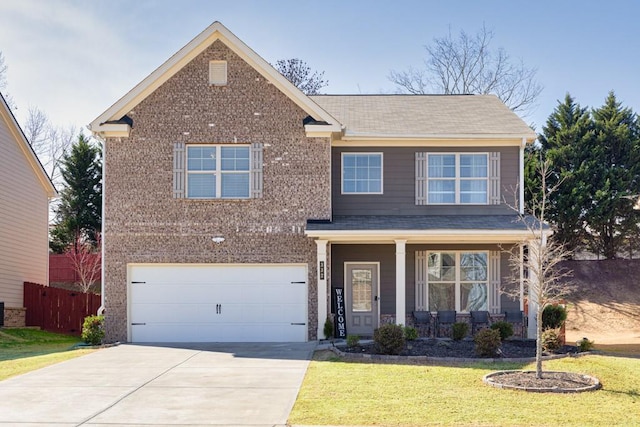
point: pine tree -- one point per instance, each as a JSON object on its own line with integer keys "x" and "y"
{"x": 565, "y": 143}
{"x": 613, "y": 174}
{"x": 79, "y": 214}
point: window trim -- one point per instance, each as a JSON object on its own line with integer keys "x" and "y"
{"x": 457, "y": 282}
{"x": 458, "y": 179}
{"x": 349, "y": 153}
{"x": 218, "y": 172}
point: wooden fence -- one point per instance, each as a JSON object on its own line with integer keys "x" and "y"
{"x": 58, "y": 310}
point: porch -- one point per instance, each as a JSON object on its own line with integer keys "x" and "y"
{"x": 387, "y": 268}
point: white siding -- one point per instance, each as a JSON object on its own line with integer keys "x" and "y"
{"x": 23, "y": 221}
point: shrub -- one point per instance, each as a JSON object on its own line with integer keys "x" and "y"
{"x": 505, "y": 329}
{"x": 353, "y": 340}
{"x": 328, "y": 328}
{"x": 584, "y": 345}
{"x": 487, "y": 342}
{"x": 389, "y": 339}
{"x": 551, "y": 339}
{"x": 93, "y": 330}
{"x": 553, "y": 316}
{"x": 410, "y": 333}
{"x": 460, "y": 330}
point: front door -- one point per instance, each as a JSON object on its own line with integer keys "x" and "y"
{"x": 362, "y": 298}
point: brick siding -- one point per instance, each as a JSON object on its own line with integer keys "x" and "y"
{"x": 145, "y": 224}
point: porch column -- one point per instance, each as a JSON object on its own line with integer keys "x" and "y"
{"x": 321, "y": 268}
{"x": 534, "y": 306}
{"x": 401, "y": 282}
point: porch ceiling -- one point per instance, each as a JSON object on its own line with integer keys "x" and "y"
{"x": 425, "y": 229}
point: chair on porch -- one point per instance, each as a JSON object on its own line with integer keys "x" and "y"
{"x": 445, "y": 319}
{"x": 479, "y": 319}
{"x": 422, "y": 321}
{"x": 518, "y": 320}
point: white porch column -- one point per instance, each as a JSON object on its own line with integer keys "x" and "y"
{"x": 321, "y": 268}
{"x": 401, "y": 282}
{"x": 534, "y": 249}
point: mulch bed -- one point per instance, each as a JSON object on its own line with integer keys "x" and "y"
{"x": 458, "y": 349}
{"x": 551, "y": 381}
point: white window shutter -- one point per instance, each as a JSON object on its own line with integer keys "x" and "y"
{"x": 494, "y": 178}
{"x": 218, "y": 73}
{"x": 421, "y": 178}
{"x": 494, "y": 282}
{"x": 256, "y": 170}
{"x": 178, "y": 170}
{"x": 421, "y": 283}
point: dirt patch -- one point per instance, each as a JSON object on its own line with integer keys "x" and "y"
{"x": 605, "y": 306}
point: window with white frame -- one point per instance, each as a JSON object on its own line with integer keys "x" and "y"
{"x": 457, "y": 281}
{"x": 460, "y": 178}
{"x": 362, "y": 173}
{"x": 218, "y": 171}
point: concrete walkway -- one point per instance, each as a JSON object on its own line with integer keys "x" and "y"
{"x": 132, "y": 385}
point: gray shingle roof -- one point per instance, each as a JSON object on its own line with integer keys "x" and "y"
{"x": 419, "y": 115}
{"x": 421, "y": 222}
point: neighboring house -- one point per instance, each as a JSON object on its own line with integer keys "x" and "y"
{"x": 235, "y": 204}
{"x": 25, "y": 190}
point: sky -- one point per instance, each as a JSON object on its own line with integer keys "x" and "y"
{"x": 74, "y": 58}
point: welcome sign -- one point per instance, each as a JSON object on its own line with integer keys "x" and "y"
{"x": 341, "y": 318}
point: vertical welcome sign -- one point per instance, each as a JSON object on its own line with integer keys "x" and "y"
{"x": 341, "y": 318}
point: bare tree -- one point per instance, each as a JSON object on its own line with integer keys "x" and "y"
{"x": 85, "y": 258}
{"x": 468, "y": 65}
{"x": 299, "y": 73}
{"x": 49, "y": 142}
{"x": 4, "y": 83}
{"x": 545, "y": 281}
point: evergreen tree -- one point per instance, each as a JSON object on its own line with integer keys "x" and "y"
{"x": 565, "y": 143}
{"x": 79, "y": 214}
{"x": 613, "y": 175}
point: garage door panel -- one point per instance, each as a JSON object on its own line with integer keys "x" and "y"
{"x": 214, "y": 303}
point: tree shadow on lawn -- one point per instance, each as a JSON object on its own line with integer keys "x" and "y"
{"x": 479, "y": 364}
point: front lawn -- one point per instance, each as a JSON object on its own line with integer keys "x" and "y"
{"x": 23, "y": 350}
{"x": 352, "y": 393}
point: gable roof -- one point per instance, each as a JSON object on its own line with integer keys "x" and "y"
{"x": 25, "y": 147}
{"x": 108, "y": 123}
{"x": 425, "y": 116}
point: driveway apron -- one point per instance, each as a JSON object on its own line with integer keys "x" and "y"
{"x": 132, "y": 385}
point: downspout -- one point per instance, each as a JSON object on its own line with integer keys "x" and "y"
{"x": 521, "y": 184}
{"x": 104, "y": 166}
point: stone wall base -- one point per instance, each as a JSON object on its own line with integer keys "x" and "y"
{"x": 14, "y": 317}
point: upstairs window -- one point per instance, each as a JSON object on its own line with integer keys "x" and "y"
{"x": 457, "y": 178}
{"x": 218, "y": 171}
{"x": 361, "y": 173}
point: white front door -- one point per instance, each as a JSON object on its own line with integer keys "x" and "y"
{"x": 217, "y": 303}
{"x": 361, "y": 289}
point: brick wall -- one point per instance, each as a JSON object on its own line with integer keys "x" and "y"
{"x": 143, "y": 223}
{"x": 14, "y": 317}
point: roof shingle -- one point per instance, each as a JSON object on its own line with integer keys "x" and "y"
{"x": 423, "y": 115}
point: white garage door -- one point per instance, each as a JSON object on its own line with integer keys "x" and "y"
{"x": 218, "y": 303}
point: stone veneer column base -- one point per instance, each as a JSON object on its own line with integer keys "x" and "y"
{"x": 14, "y": 317}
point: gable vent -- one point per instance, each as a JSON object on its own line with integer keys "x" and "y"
{"x": 218, "y": 73}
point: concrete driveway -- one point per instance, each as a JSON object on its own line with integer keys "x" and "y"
{"x": 128, "y": 385}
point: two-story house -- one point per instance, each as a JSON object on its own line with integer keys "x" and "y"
{"x": 235, "y": 205}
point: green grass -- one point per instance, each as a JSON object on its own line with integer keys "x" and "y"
{"x": 343, "y": 393}
{"x": 24, "y": 350}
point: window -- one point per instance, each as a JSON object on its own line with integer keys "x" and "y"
{"x": 457, "y": 178}
{"x": 361, "y": 173}
{"x": 457, "y": 281}
{"x": 218, "y": 171}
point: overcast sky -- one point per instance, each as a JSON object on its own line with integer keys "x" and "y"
{"x": 74, "y": 59}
